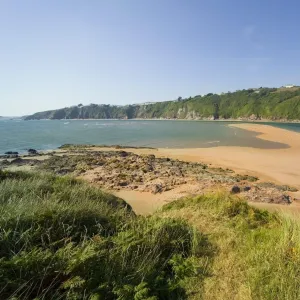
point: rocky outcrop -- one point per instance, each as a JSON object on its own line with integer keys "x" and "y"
{"x": 119, "y": 169}
{"x": 32, "y": 152}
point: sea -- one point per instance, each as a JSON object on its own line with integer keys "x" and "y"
{"x": 19, "y": 135}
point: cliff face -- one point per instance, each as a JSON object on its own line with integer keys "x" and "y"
{"x": 265, "y": 103}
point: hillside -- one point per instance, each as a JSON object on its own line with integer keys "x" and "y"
{"x": 263, "y": 103}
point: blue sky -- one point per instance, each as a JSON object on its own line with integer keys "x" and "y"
{"x": 63, "y": 52}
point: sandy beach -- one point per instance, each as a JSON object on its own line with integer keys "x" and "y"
{"x": 278, "y": 165}
{"x": 281, "y": 166}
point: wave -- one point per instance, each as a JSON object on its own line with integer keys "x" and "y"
{"x": 212, "y": 142}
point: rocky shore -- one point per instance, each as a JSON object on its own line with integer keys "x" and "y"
{"x": 118, "y": 169}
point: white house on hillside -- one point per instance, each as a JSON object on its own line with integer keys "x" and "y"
{"x": 289, "y": 86}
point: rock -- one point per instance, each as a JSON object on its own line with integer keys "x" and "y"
{"x": 32, "y": 151}
{"x": 148, "y": 168}
{"x": 123, "y": 183}
{"x": 157, "y": 188}
{"x": 235, "y": 189}
{"x": 123, "y": 153}
{"x": 247, "y": 188}
{"x": 151, "y": 156}
{"x": 11, "y": 153}
{"x": 287, "y": 199}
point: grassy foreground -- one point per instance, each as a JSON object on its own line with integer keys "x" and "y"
{"x": 257, "y": 253}
{"x": 63, "y": 239}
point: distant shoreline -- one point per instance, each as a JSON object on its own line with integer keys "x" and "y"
{"x": 195, "y": 120}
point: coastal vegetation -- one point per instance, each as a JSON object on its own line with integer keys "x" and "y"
{"x": 61, "y": 238}
{"x": 251, "y": 104}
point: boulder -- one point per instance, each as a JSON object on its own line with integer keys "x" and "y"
{"x": 235, "y": 189}
{"x": 123, "y": 153}
{"x": 246, "y": 188}
{"x": 32, "y": 151}
{"x": 287, "y": 199}
{"x": 156, "y": 188}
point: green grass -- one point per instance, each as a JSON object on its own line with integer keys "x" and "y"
{"x": 63, "y": 239}
{"x": 257, "y": 253}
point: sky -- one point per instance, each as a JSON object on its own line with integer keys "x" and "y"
{"x": 60, "y": 53}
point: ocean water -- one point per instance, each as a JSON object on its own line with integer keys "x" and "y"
{"x": 19, "y": 135}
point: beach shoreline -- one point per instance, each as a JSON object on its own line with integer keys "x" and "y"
{"x": 247, "y": 121}
{"x": 273, "y": 165}
{"x": 277, "y": 166}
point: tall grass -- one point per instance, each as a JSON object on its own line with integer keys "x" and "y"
{"x": 63, "y": 239}
{"x": 257, "y": 253}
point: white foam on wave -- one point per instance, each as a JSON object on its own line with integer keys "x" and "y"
{"x": 105, "y": 124}
{"x": 212, "y": 142}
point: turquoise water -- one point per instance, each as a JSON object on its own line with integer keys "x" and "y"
{"x": 18, "y": 135}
